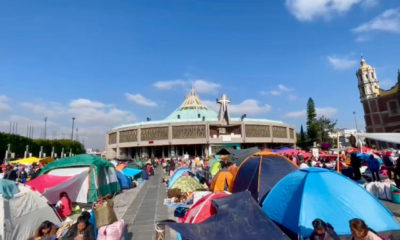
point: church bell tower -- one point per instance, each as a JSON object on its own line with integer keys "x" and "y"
{"x": 368, "y": 83}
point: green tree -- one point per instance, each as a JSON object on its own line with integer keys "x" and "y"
{"x": 324, "y": 126}
{"x": 301, "y": 140}
{"x": 312, "y": 128}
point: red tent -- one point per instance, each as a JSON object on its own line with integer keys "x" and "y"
{"x": 203, "y": 209}
{"x": 46, "y": 181}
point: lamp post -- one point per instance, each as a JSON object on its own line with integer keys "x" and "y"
{"x": 72, "y": 132}
{"x": 45, "y": 127}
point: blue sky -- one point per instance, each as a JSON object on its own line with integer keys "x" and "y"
{"x": 113, "y": 62}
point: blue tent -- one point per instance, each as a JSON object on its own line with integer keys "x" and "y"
{"x": 365, "y": 157}
{"x": 260, "y": 172}
{"x": 8, "y": 188}
{"x": 178, "y": 173}
{"x": 123, "y": 180}
{"x": 307, "y": 194}
{"x": 131, "y": 172}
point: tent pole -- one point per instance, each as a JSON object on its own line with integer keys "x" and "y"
{"x": 338, "y": 153}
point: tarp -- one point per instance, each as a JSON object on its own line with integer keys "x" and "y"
{"x": 260, "y": 172}
{"x": 31, "y": 160}
{"x": 131, "y": 172}
{"x": 23, "y": 213}
{"x": 307, "y": 194}
{"x": 223, "y": 181}
{"x": 238, "y": 156}
{"x": 384, "y": 137}
{"x": 187, "y": 184}
{"x": 124, "y": 181}
{"x": 203, "y": 208}
{"x": 177, "y": 174}
{"x": 102, "y": 175}
{"x": 232, "y": 221}
{"x": 8, "y": 188}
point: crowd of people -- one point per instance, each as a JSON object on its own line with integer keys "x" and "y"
{"x": 19, "y": 172}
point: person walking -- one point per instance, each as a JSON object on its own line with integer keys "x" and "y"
{"x": 355, "y": 163}
{"x": 374, "y": 167}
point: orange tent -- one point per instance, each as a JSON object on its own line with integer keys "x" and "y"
{"x": 233, "y": 169}
{"x": 120, "y": 167}
{"x": 222, "y": 181}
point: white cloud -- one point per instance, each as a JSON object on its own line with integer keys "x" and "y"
{"x": 369, "y": 3}
{"x": 283, "y": 88}
{"x": 4, "y": 106}
{"x": 166, "y": 85}
{"x": 200, "y": 85}
{"x": 248, "y": 106}
{"x": 274, "y": 93}
{"x": 308, "y": 10}
{"x": 388, "y": 21}
{"x": 49, "y": 109}
{"x": 342, "y": 63}
{"x": 139, "y": 99}
{"x": 325, "y": 111}
{"x": 85, "y": 103}
{"x": 386, "y": 83}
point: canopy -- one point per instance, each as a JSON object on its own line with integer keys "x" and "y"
{"x": 260, "y": 172}
{"x": 102, "y": 176}
{"x": 238, "y": 155}
{"x": 177, "y": 174}
{"x": 307, "y": 194}
{"x": 8, "y": 188}
{"x": 203, "y": 208}
{"x": 131, "y": 172}
{"x": 187, "y": 184}
{"x": 223, "y": 181}
{"x": 23, "y": 213}
{"x": 384, "y": 137}
{"x": 31, "y": 160}
{"x": 238, "y": 217}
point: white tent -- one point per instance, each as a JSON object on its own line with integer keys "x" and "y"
{"x": 21, "y": 215}
{"x": 384, "y": 137}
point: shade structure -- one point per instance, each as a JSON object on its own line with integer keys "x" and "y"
{"x": 260, "y": 172}
{"x": 177, "y": 174}
{"x": 307, "y": 194}
{"x": 237, "y": 217}
{"x": 203, "y": 208}
{"x": 22, "y": 214}
{"x": 101, "y": 174}
{"x": 187, "y": 184}
{"x": 223, "y": 181}
{"x": 131, "y": 172}
{"x": 31, "y": 160}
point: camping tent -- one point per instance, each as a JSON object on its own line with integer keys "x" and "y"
{"x": 187, "y": 184}
{"x": 203, "y": 208}
{"x": 22, "y": 214}
{"x": 307, "y": 194}
{"x": 31, "y": 160}
{"x": 260, "y": 172}
{"x": 132, "y": 172}
{"x": 178, "y": 173}
{"x": 124, "y": 181}
{"x": 223, "y": 181}
{"x": 50, "y": 186}
{"x": 238, "y": 155}
{"x": 101, "y": 177}
{"x": 238, "y": 217}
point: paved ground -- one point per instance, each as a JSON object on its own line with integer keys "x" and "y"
{"x": 146, "y": 209}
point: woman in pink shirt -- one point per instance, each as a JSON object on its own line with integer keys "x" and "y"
{"x": 360, "y": 231}
{"x": 65, "y": 206}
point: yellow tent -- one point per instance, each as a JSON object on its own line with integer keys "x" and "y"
{"x": 30, "y": 160}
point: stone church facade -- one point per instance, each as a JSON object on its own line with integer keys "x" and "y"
{"x": 381, "y": 107}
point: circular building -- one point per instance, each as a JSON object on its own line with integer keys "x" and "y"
{"x": 195, "y": 129}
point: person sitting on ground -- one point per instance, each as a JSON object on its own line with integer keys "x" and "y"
{"x": 322, "y": 231}
{"x": 46, "y": 231}
{"x": 360, "y": 231}
{"x": 64, "y": 205}
{"x": 81, "y": 230}
{"x": 374, "y": 167}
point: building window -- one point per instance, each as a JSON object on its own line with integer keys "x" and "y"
{"x": 179, "y": 116}
{"x": 198, "y": 115}
{"x": 393, "y": 108}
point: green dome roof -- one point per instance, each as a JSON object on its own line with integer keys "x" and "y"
{"x": 193, "y": 109}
